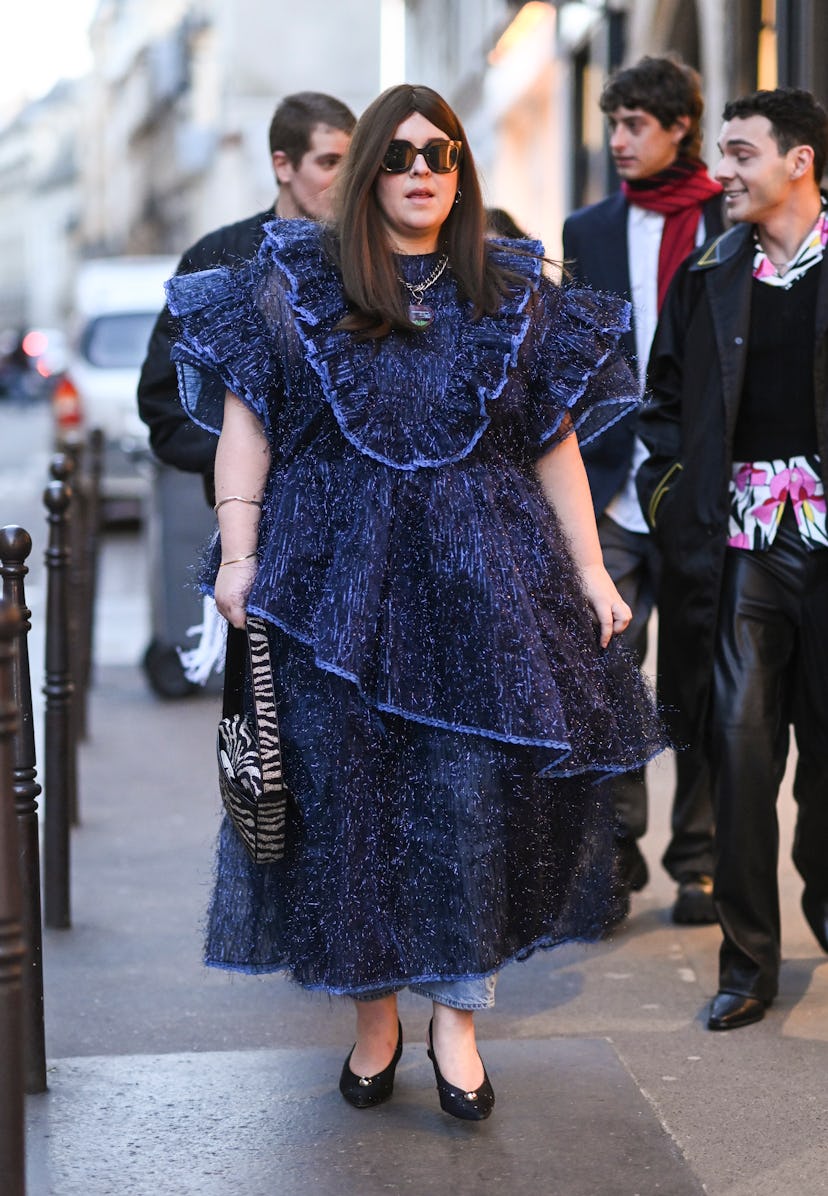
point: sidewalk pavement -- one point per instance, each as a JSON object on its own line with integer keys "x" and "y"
{"x": 169, "y": 1079}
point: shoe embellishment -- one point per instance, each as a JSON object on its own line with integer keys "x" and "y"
{"x": 363, "y": 1092}
{"x": 469, "y": 1106}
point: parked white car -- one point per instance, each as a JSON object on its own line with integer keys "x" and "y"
{"x": 117, "y": 301}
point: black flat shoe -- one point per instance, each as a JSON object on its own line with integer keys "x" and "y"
{"x": 729, "y": 1011}
{"x": 816, "y": 915}
{"x": 468, "y": 1106}
{"x": 363, "y": 1092}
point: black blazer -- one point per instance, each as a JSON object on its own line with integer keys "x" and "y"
{"x": 596, "y": 254}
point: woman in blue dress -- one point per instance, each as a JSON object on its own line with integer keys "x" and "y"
{"x": 402, "y": 499}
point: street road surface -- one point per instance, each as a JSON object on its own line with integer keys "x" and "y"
{"x": 122, "y": 624}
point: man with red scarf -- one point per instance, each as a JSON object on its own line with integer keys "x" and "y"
{"x": 631, "y": 244}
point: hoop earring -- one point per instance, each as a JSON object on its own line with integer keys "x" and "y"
{"x": 458, "y": 196}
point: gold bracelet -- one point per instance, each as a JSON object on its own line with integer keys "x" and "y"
{"x": 235, "y": 559}
{"x": 253, "y": 502}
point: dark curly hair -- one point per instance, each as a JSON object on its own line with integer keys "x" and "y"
{"x": 796, "y": 118}
{"x": 666, "y": 88}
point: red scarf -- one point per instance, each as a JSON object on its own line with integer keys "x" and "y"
{"x": 679, "y": 193}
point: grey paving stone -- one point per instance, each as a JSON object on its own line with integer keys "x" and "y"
{"x": 569, "y": 1121}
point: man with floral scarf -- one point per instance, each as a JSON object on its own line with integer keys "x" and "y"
{"x": 734, "y": 492}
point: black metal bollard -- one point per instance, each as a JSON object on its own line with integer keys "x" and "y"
{"x": 12, "y": 1134}
{"x": 15, "y": 546}
{"x": 92, "y": 525}
{"x": 60, "y": 772}
{"x": 66, "y": 467}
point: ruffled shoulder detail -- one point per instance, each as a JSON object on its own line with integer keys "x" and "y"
{"x": 414, "y": 399}
{"x": 582, "y": 378}
{"x": 522, "y": 256}
{"x": 224, "y": 342}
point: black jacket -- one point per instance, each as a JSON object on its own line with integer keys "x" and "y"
{"x": 595, "y": 253}
{"x": 174, "y": 438}
{"x": 695, "y": 377}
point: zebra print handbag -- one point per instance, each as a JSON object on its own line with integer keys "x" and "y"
{"x": 248, "y": 747}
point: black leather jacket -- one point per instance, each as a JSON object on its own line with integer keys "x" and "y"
{"x": 695, "y": 377}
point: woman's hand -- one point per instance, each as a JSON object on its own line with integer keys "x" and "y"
{"x": 233, "y": 585}
{"x": 564, "y": 483}
{"x": 610, "y": 610}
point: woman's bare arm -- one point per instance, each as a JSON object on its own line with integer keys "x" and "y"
{"x": 242, "y": 466}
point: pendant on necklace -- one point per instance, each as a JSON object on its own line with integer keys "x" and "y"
{"x": 420, "y": 315}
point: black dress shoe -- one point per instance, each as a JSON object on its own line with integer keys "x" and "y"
{"x": 631, "y": 875}
{"x": 468, "y": 1106}
{"x": 729, "y": 1011}
{"x": 694, "y": 902}
{"x": 363, "y": 1092}
{"x": 815, "y": 910}
{"x": 633, "y": 872}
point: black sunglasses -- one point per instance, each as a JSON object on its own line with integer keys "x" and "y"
{"x": 441, "y": 156}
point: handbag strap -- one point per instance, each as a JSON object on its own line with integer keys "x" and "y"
{"x": 235, "y": 664}
{"x": 249, "y": 649}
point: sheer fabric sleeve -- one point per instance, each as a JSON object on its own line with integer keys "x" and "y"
{"x": 579, "y": 379}
{"x": 224, "y": 343}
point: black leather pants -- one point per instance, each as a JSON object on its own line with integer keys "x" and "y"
{"x": 771, "y": 671}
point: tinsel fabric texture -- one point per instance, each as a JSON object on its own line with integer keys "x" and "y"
{"x": 446, "y": 711}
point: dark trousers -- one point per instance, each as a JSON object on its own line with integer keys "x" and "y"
{"x": 770, "y": 671}
{"x": 632, "y": 561}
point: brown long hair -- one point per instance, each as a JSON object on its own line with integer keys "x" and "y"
{"x": 361, "y": 244}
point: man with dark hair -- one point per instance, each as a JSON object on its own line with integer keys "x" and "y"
{"x": 631, "y": 244}
{"x": 309, "y": 135}
{"x": 734, "y": 491}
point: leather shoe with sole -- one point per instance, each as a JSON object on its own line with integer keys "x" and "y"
{"x": 815, "y": 910}
{"x": 633, "y": 872}
{"x": 729, "y": 1011}
{"x": 694, "y": 902}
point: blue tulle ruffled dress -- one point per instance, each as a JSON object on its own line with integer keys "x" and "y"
{"x": 446, "y": 710}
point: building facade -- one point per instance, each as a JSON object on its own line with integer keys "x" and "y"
{"x": 167, "y": 137}
{"x": 39, "y": 208}
{"x": 183, "y": 94}
{"x": 526, "y": 78}
{"x": 736, "y": 45}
